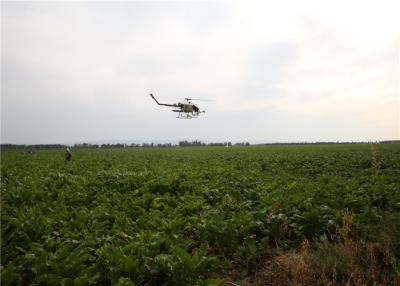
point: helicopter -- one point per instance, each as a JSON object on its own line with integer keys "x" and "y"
{"x": 186, "y": 110}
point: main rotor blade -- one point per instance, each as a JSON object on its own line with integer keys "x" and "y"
{"x": 199, "y": 99}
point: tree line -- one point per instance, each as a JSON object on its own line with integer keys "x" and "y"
{"x": 118, "y": 145}
{"x": 185, "y": 143}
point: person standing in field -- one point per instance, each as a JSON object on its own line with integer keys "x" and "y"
{"x": 68, "y": 155}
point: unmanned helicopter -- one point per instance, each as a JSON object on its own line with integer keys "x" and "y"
{"x": 186, "y": 110}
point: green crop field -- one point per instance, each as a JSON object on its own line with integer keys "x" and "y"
{"x": 273, "y": 215}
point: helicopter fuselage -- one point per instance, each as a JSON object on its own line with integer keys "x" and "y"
{"x": 189, "y": 108}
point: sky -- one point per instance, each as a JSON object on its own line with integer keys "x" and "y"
{"x": 277, "y": 71}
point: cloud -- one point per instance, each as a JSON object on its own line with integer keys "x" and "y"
{"x": 289, "y": 63}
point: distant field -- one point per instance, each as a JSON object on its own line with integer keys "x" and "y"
{"x": 274, "y": 215}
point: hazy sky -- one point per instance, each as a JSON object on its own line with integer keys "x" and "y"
{"x": 277, "y": 70}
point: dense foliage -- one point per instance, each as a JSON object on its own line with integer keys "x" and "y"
{"x": 190, "y": 216}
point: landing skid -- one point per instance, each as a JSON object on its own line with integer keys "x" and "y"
{"x": 187, "y": 116}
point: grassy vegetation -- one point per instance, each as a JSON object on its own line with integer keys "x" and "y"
{"x": 277, "y": 215}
